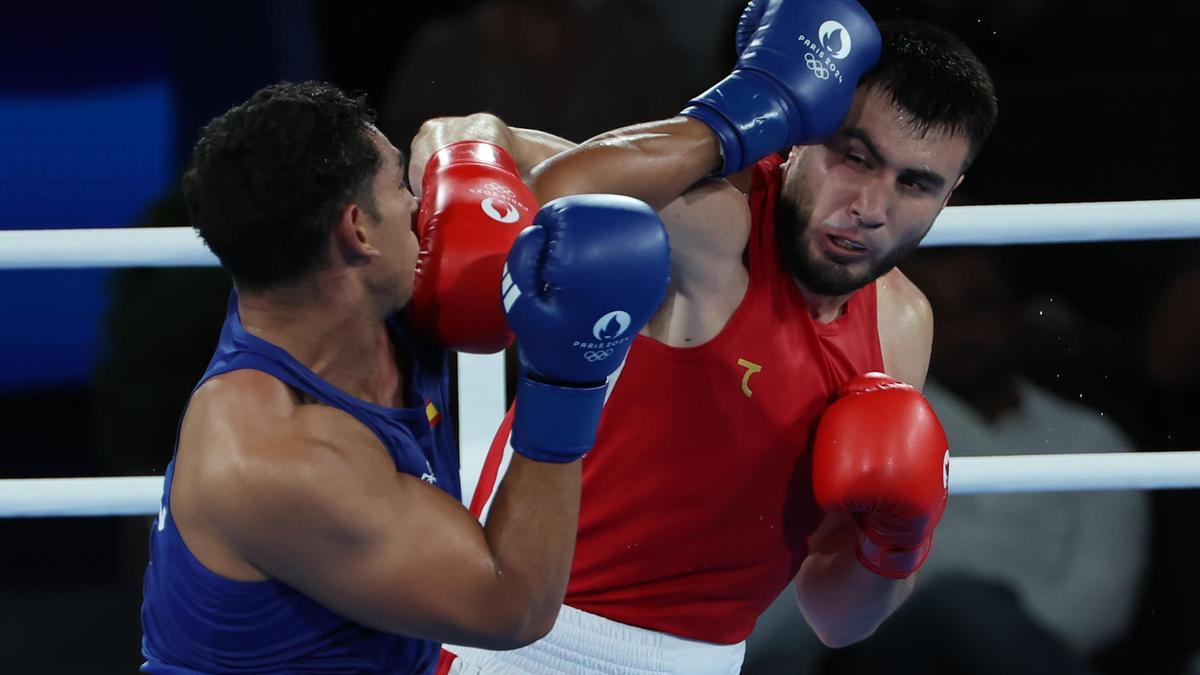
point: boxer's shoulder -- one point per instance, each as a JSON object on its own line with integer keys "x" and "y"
{"x": 248, "y": 416}
{"x": 905, "y": 322}
{"x": 901, "y": 301}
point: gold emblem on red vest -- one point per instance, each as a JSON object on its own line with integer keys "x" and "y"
{"x": 751, "y": 368}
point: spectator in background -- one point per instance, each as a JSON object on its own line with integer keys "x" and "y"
{"x": 700, "y": 35}
{"x": 1171, "y": 340}
{"x": 1029, "y": 583}
{"x": 553, "y": 65}
{"x": 1168, "y": 633}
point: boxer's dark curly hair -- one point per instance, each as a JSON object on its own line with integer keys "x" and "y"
{"x": 270, "y": 177}
{"x": 934, "y": 76}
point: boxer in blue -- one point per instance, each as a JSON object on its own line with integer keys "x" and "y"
{"x": 310, "y": 519}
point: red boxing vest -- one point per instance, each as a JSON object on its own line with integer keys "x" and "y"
{"x": 697, "y": 498}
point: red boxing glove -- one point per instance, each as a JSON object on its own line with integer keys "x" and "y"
{"x": 473, "y": 206}
{"x": 881, "y": 455}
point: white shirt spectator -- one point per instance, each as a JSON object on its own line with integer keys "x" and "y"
{"x": 1075, "y": 559}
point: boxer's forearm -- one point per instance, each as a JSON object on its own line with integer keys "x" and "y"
{"x": 655, "y": 162}
{"x": 531, "y": 533}
{"x": 842, "y": 601}
{"x": 532, "y": 147}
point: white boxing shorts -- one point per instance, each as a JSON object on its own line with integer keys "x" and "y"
{"x": 581, "y": 642}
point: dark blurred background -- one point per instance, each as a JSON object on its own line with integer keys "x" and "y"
{"x": 100, "y": 104}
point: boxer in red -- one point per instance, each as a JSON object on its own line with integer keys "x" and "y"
{"x": 752, "y": 439}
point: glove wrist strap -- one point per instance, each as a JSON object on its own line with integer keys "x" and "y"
{"x": 750, "y": 123}
{"x": 890, "y": 561}
{"x": 554, "y": 422}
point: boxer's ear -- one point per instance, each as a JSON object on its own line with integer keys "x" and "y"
{"x": 351, "y": 238}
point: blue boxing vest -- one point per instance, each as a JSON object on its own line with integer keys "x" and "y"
{"x": 195, "y": 621}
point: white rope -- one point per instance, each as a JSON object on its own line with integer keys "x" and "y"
{"x": 54, "y": 497}
{"x": 1062, "y": 223}
{"x": 1075, "y": 472}
{"x": 116, "y": 247}
{"x": 992, "y": 225}
{"x": 140, "y": 496}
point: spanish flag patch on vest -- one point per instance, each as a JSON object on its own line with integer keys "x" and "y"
{"x": 432, "y": 413}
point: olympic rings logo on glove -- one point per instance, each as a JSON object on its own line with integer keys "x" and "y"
{"x": 814, "y": 64}
{"x": 597, "y": 355}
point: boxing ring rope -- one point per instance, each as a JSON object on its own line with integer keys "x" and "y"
{"x": 987, "y": 225}
{"x": 140, "y": 495}
{"x": 481, "y": 378}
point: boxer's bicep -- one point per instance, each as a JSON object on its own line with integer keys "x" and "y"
{"x": 337, "y": 522}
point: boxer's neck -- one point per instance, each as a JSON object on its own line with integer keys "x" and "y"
{"x": 824, "y": 308}
{"x": 336, "y": 331}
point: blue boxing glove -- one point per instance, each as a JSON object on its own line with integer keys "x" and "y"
{"x": 747, "y": 25}
{"x": 799, "y": 62}
{"x": 579, "y": 285}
